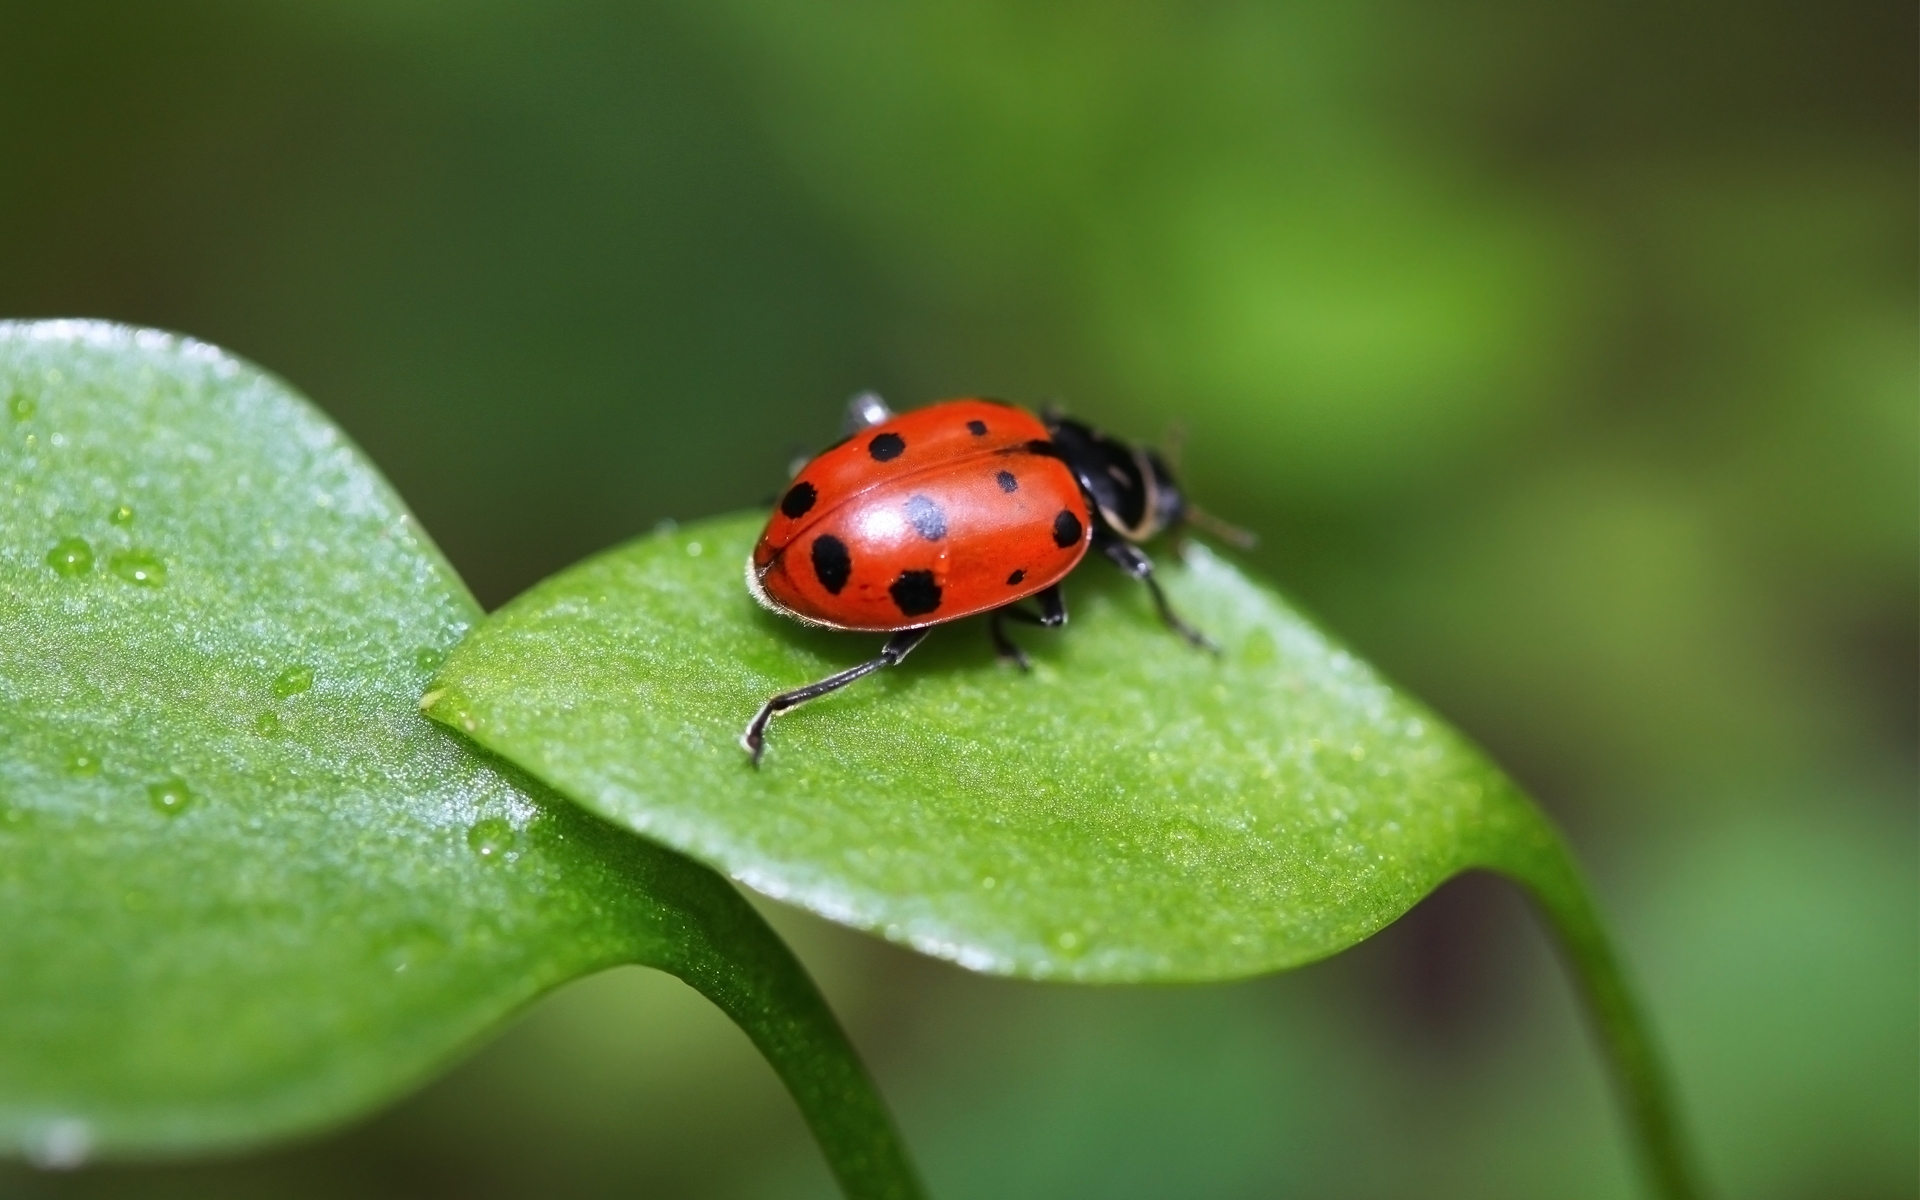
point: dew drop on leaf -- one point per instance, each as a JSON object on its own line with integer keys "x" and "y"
{"x": 492, "y": 839}
{"x": 121, "y": 515}
{"x": 293, "y": 681}
{"x": 171, "y": 796}
{"x": 139, "y": 566}
{"x": 267, "y": 724}
{"x": 427, "y": 658}
{"x": 71, "y": 557}
{"x": 81, "y": 765}
{"x": 21, "y": 406}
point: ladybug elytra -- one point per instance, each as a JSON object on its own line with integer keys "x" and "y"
{"x": 962, "y": 507}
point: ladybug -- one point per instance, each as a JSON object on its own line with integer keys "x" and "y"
{"x": 963, "y": 507}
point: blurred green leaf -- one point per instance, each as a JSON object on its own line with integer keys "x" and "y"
{"x": 1131, "y": 811}
{"x": 249, "y": 889}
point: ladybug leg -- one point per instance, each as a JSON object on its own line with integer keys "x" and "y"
{"x": 1130, "y": 559}
{"x": 1053, "y": 608}
{"x": 754, "y": 740}
{"x": 1053, "y": 614}
{"x": 1003, "y": 645}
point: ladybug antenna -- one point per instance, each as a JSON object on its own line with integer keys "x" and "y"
{"x": 865, "y": 410}
{"x": 1233, "y": 535}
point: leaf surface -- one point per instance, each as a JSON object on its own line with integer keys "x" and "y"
{"x": 248, "y": 888}
{"x": 1131, "y": 810}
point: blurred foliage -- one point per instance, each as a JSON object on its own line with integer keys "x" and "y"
{"x": 1564, "y": 356}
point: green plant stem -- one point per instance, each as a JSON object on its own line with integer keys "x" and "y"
{"x": 1552, "y": 879}
{"x": 736, "y": 960}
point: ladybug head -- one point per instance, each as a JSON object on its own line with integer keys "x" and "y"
{"x": 1131, "y": 487}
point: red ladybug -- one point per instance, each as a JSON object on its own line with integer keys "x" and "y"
{"x": 963, "y": 507}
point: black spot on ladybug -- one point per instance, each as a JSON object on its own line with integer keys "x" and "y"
{"x": 927, "y": 518}
{"x": 1007, "y": 482}
{"x": 977, "y": 428}
{"x": 798, "y": 500}
{"x": 915, "y": 593}
{"x": 1016, "y": 577}
{"x": 886, "y": 447}
{"x": 832, "y": 565}
{"x": 1066, "y": 529}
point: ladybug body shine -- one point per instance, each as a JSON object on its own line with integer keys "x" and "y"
{"x": 960, "y": 508}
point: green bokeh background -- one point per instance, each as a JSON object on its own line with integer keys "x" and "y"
{"x": 1564, "y": 355}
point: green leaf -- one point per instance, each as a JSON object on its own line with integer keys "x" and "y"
{"x": 249, "y": 890}
{"x": 1133, "y": 810}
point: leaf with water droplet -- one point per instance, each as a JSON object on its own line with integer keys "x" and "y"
{"x": 293, "y": 681}
{"x": 492, "y": 838}
{"x": 220, "y": 928}
{"x": 71, "y": 557}
{"x": 1132, "y": 810}
{"x": 139, "y": 566}
{"x": 170, "y": 797}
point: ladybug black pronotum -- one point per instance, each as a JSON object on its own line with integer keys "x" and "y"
{"x": 962, "y": 507}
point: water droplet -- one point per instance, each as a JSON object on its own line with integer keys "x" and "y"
{"x": 267, "y": 724}
{"x": 139, "y": 566}
{"x": 21, "y": 406}
{"x": 1068, "y": 940}
{"x": 293, "y": 681}
{"x": 493, "y": 839}
{"x": 70, "y": 557}
{"x": 427, "y": 658}
{"x": 121, "y": 515}
{"x": 171, "y": 796}
{"x": 694, "y": 549}
{"x": 82, "y": 764}
{"x": 15, "y": 818}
